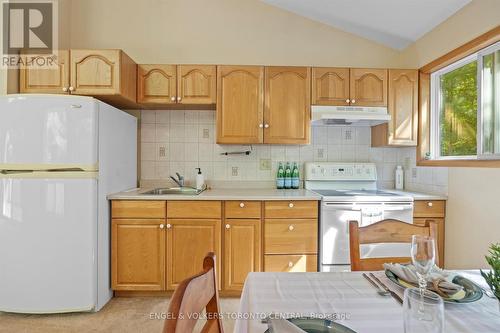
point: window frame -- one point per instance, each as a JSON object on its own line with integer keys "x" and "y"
{"x": 480, "y": 148}
{"x": 435, "y": 99}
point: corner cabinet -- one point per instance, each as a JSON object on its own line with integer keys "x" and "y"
{"x": 263, "y": 105}
{"x": 240, "y": 104}
{"x": 402, "y": 129}
{"x": 169, "y": 85}
{"x": 287, "y": 107}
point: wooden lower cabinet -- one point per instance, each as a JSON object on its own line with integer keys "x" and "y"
{"x": 138, "y": 254}
{"x": 426, "y": 211}
{"x": 440, "y": 235}
{"x": 242, "y": 251}
{"x": 187, "y": 243}
{"x": 291, "y": 263}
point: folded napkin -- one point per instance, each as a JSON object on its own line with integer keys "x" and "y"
{"x": 437, "y": 280}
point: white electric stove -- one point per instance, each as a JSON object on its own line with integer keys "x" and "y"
{"x": 349, "y": 192}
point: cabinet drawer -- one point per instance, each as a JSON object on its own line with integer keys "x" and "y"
{"x": 291, "y": 209}
{"x": 291, "y": 263}
{"x": 194, "y": 209}
{"x": 290, "y": 236}
{"x": 242, "y": 209}
{"x": 429, "y": 208}
{"x": 138, "y": 209}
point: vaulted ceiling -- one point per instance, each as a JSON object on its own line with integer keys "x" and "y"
{"x": 394, "y": 23}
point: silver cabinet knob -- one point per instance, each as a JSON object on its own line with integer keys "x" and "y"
{"x": 291, "y": 227}
{"x": 266, "y": 126}
{"x": 228, "y": 226}
{"x": 353, "y": 101}
{"x": 429, "y": 204}
{"x": 347, "y": 100}
{"x": 65, "y": 89}
{"x": 242, "y": 204}
{"x": 71, "y": 88}
{"x": 172, "y": 98}
{"x": 169, "y": 226}
{"x": 162, "y": 226}
{"x": 261, "y": 125}
{"x": 179, "y": 99}
{"x": 290, "y": 264}
{"x": 290, "y": 205}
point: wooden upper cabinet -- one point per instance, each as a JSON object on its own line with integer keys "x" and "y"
{"x": 402, "y": 129}
{"x": 240, "y": 104}
{"x": 156, "y": 84}
{"x": 242, "y": 251}
{"x": 196, "y": 84}
{"x": 287, "y": 110}
{"x": 103, "y": 73}
{"x": 330, "y": 86}
{"x": 368, "y": 87}
{"x": 138, "y": 254}
{"x": 51, "y": 80}
{"x": 403, "y": 107}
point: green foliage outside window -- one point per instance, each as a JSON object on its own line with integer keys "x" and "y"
{"x": 458, "y": 111}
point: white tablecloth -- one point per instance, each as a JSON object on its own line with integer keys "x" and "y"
{"x": 351, "y": 298}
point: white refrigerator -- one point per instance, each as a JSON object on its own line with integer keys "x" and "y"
{"x": 60, "y": 156}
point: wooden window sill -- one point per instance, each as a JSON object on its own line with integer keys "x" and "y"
{"x": 460, "y": 163}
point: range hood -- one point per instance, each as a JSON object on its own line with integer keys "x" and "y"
{"x": 349, "y": 115}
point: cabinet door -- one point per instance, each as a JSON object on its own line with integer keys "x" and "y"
{"x": 287, "y": 111}
{"x": 330, "y": 86}
{"x": 196, "y": 84}
{"x": 368, "y": 87}
{"x": 138, "y": 254}
{"x": 156, "y": 84}
{"x": 188, "y": 242}
{"x": 242, "y": 251}
{"x": 240, "y": 104}
{"x": 53, "y": 80}
{"x": 403, "y": 107}
{"x": 440, "y": 235}
{"x": 95, "y": 72}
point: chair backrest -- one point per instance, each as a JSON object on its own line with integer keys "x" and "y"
{"x": 190, "y": 298}
{"x": 386, "y": 231}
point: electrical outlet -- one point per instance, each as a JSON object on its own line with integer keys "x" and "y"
{"x": 265, "y": 164}
{"x": 414, "y": 173}
{"x": 206, "y": 133}
{"x": 321, "y": 153}
{"x": 348, "y": 135}
{"x": 234, "y": 171}
{"x": 162, "y": 152}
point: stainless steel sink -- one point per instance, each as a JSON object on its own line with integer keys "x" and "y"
{"x": 174, "y": 190}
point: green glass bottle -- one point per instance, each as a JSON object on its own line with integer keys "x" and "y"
{"x": 295, "y": 176}
{"x": 280, "y": 177}
{"x": 288, "y": 176}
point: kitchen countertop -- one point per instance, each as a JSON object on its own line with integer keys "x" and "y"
{"x": 221, "y": 194}
{"x": 420, "y": 195}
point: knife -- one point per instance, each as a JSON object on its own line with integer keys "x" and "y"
{"x": 393, "y": 294}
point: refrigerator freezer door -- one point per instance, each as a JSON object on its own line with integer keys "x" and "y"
{"x": 47, "y": 244}
{"x": 48, "y": 132}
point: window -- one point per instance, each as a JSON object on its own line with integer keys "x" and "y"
{"x": 465, "y": 108}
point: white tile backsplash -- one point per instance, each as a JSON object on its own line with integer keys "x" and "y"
{"x": 188, "y": 141}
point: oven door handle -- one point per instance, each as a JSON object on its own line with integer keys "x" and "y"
{"x": 334, "y": 206}
{"x": 397, "y": 208}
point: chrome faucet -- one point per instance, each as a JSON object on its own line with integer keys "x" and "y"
{"x": 179, "y": 181}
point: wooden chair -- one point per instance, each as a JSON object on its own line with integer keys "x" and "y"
{"x": 191, "y": 297}
{"x": 386, "y": 231}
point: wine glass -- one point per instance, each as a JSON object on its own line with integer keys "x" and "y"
{"x": 423, "y": 256}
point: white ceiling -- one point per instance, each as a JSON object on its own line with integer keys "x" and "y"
{"x": 394, "y": 23}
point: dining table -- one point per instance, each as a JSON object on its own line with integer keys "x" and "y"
{"x": 350, "y": 300}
